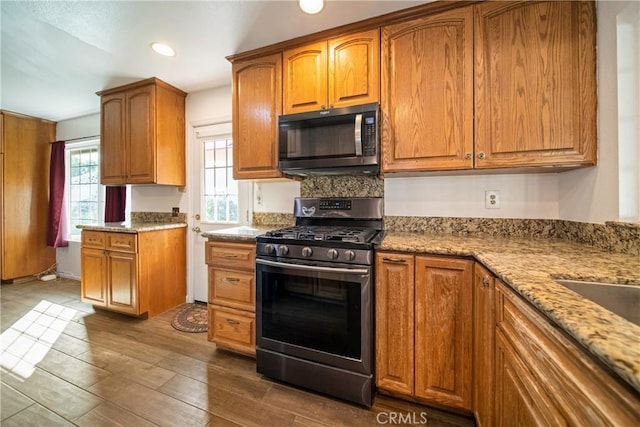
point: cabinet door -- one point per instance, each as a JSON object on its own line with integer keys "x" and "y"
{"x": 93, "y": 280}
{"x": 443, "y": 328}
{"x": 113, "y": 166}
{"x": 394, "y": 322}
{"x": 233, "y": 329}
{"x": 122, "y": 292}
{"x": 520, "y": 401}
{"x": 426, "y": 95}
{"x": 305, "y": 78}
{"x": 535, "y": 83}
{"x": 141, "y": 135}
{"x": 257, "y": 103}
{"x": 354, "y": 69}
{"x": 483, "y": 345}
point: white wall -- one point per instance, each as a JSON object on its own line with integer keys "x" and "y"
{"x": 275, "y": 196}
{"x": 593, "y": 194}
{"x": 521, "y": 196}
{"x": 68, "y": 258}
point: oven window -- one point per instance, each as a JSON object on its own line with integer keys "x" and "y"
{"x": 312, "y": 312}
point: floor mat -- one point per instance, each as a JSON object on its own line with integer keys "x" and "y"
{"x": 192, "y": 318}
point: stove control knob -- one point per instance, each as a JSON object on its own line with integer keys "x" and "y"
{"x": 350, "y": 255}
{"x": 307, "y": 251}
{"x": 269, "y": 249}
{"x": 283, "y": 250}
{"x": 332, "y": 254}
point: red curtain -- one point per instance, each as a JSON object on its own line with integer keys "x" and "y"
{"x": 115, "y": 203}
{"x": 56, "y": 232}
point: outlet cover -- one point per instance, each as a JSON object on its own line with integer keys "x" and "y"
{"x": 175, "y": 211}
{"x": 492, "y": 199}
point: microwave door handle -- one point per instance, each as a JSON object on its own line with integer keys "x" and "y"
{"x": 358, "y": 135}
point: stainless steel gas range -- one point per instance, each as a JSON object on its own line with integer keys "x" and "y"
{"x": 315, "y": 297}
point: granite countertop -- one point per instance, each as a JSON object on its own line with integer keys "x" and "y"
{"x": 132, "y": 227}
{"x": 243, "y": 233}
{"x": 530, "y": 267}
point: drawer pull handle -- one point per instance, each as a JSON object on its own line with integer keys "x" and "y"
{"x": 396, "y": 260}
{"x": 232, "y": 322}
{"x": 229, "y": 256}
{"x": 232, "y": 280}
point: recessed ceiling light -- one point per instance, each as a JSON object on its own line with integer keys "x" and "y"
{"x": 311, "y": 6}
{"x": 163, "y": 49}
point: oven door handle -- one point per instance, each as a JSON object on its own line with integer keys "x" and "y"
{"x": 312, "y": 267}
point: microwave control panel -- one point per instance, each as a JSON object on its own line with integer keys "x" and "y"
{"x": 369, "y": 136}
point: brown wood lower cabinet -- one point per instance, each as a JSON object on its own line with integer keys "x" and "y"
{"x": 424, "y": 328}
{"x": 232, "y": 294}
{"x": 543, "y": 378}
{"x": 484, "y": 325}
{"x": 137, "y": 274}
{"x": 450, "y": 334}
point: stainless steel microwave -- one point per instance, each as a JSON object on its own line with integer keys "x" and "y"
{"x": 339, "y": 141}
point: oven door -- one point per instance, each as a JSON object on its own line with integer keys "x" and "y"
{"x": 320, "y": 312}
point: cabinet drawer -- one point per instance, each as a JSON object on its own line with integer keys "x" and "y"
{"x": 122, "y": 242}
{"x": 232, "y": 329}
{"x": 94, "y": 239}
{"x": 231, "y": 255}
{"x": 232, "y": 288}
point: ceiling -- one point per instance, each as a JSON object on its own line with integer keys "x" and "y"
{"x": 57, "y": 54}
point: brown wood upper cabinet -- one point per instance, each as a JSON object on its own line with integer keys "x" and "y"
{"x": 424, "y": 328}
{"x": 336, "y": 73}
{"x": 535, "y": 84}
{"x": 143, "y": 134}
{"x": 530, "y": 94}
{"x": 257, "y": 103}
{"x": 427, "y": 93}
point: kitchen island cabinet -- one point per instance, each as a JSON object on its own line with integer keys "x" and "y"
{"x": 142, "y": 273}
{"x": 424, "y": 328}
{"x": 142, "y": 134}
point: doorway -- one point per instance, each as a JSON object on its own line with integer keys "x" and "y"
{"x": 217, "y": 200}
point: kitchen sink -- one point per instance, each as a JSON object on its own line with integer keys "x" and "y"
{"x": 623, "y": 300}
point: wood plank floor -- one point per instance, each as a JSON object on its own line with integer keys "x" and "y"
{"x": 64, "y": 363}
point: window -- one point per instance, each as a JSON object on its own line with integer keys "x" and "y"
{"x": 220, "y": 190}
{"x": 84, "y": 194}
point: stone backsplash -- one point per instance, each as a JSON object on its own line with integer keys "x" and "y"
{"x": 160, "y": 217}
{"x": 342, "y": 186}
{"x": 612, "y": 236}
{"x": 275, "y": 219}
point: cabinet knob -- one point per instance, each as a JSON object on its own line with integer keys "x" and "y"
{"x": 322, "y": 107}
{"x": 468, "y": 156}
{"x": 485, "y": 281}
{"x": 196, "y": 229}
{"x": 331, "y": 106}
{"x": 481, "y": 155}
